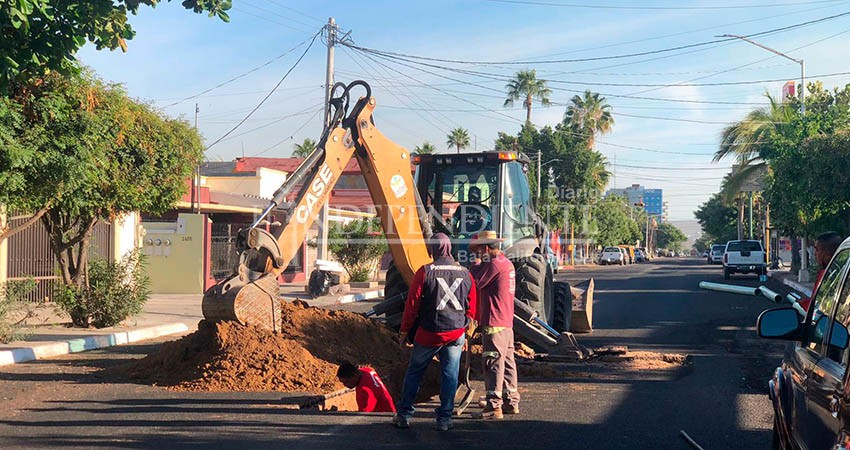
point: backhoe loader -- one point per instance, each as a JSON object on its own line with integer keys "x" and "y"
{"x": 463, "y": 194}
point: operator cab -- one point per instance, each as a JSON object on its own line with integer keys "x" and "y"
{"x": 467, "y": 193}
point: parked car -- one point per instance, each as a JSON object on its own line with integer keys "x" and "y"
{"x": 809, "y": 391}
{"x": 744, "y": 257}
{"x": 640, "y": 256}
{"x": 646, "y": 254}
{"x": 705, "y": 254}
{"x": 612, "y": 255}
{"x": 716, "y": 256}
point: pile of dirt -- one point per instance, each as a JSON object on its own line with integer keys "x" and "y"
{"x": 653, "y": 361}
{"x": 303, "y": 357}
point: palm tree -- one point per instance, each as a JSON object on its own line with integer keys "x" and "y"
{"x": 425, "y": 149}
{"x": 747, "y": 139}
{"x": 458, "y": 138}
{"x": 527, "y": 87}
{"x": 589, "y": 114}
{"x": 599, "y": 174}
{"x": 304, "y": 149}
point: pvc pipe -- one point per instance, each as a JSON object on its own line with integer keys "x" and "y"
{"x": 792, "y": 299}
{"x": 769, "y": 294}
{"x": 730, "y": 288}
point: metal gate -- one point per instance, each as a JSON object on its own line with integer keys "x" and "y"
{"x": 223, "y": 256}
{"x": 30, "y": 255}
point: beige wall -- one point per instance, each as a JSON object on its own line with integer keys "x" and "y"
{"x": 175, "y": 254}
{"x": 264, "y": 184}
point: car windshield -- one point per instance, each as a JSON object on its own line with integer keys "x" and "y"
{"x": 744, "y": 246}
{"x": 718, "y": 249}
{"x": 612, "y": 250}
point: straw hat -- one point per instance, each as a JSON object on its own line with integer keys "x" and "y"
{"x": 484, "y": 238}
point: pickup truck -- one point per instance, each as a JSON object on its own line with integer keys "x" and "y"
{"x": 744, "y": 257}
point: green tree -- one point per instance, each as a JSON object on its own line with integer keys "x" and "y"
{"x": 304, "y": 149}
{"x": 669, "y": 236}
{"x": 717, "y": 219}
{"x": 425, "y": 149}
{"x": 357, "y": 246}
{"x": 458, "y": 138}
{"x": 589, "y": 114}
{"x": 83, "y": 151}
{"x": 612, "y": 223}
{"x": 39, "y": 36}
{"x": 527, "y": 87}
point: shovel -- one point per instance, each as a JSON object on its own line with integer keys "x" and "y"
{"x": 470, "y": 392}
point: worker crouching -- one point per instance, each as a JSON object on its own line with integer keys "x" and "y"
{"x": 440, "y": 303}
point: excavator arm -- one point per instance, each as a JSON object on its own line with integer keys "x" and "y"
{"x": 251, "y": 294}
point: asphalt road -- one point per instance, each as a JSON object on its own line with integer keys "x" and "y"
{"x": 718, "y": 397}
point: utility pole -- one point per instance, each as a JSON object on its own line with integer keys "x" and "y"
{"x": 196, "y": 188}
{"x": 751, "y": 215}
{"x": 539, "y": 166}
{"x": 330, "y": 31}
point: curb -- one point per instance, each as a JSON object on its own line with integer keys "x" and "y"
{"x": 794, "y": 285}
{"x": 360, "y": 296}
{"x": 43, "y": 350}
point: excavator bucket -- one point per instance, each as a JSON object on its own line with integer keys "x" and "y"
{"x": 249, "y": 302}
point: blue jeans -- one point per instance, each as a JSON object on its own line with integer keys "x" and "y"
{"x": 449, "y": 355}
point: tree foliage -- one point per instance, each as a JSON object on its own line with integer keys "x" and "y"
{"x": 458, "y": 138}
{"x": 717, "y": 219}
{"x": 589, "y": 114}
{"x": 40, "y": 36}
{"x": 79, "y": 151}
{"x": 357, "y": 246}
{"x": 669, "y": 236}
{"x": 425, "y": 149}
{"x": 612, "y": 222}
{"x": 527, "y": 87}
{"x": 304, "y": 149}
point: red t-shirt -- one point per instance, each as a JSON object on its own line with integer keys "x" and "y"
{"x": 424, "y": 337}
{"x": 372, "y": 395}
{"x": 496, "y": 282}
{"x": 808, "y": 300}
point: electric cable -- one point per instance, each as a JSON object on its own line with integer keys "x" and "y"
{"x": 269, "y": 94}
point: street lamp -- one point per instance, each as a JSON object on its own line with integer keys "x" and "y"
{"x": 539, "y": 171}
{"x": 803, "y": 275}
{"x": 777, "y": 52}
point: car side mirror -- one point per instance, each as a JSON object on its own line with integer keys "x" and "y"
{"x": 779, "y": 323}
{"x": 839, "y": 338}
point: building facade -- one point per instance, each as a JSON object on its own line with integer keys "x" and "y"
{"x": 652, "y": 199}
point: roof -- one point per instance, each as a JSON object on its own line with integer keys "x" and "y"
{"x": 220, "y": 168}
{"x": 288, "y": 165}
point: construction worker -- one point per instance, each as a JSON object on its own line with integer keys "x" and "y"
{"x": 372, "y": 395}
{"x": 496, "y": 281}
{"x": 441, "y": 301}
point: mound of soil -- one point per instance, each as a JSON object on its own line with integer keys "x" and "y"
{"x": 303, "y": 357}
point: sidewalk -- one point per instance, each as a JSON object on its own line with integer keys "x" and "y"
{"x": 787, "y": 278}
{"x": 163, "y": 315}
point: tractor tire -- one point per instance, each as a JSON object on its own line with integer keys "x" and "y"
{"x": 563, "y": 310}
{"x": 393, "y": 285}
{"x": 535, "y": 285}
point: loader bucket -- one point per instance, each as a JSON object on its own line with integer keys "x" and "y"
{"x": 582, "y": 314}
{"x": 249, "y": 302}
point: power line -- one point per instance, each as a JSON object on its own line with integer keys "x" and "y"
{"x": 597, "y": 58}
{"x": 242, "y": 75}
{"x": 657, "y": 8}
{"x": 269, "y": 94}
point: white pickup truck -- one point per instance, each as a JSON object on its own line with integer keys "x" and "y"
{"x": 744, "y": 257}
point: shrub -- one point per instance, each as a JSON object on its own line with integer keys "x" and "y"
{"x": 116, "y": 290}
{"x": 15, "y": 309}
{"x": 357, "y": 246}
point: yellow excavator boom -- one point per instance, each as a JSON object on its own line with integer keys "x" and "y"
{"x": 251, "y": 294}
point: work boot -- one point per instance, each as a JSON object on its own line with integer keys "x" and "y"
{"x": 510, "y": 409}
{"x": 489, "y": 414}
{"x": 401, "y": 421}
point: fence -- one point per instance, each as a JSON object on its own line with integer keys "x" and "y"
{"x": 30, "y": 255}
{"x": 223, "y": 255}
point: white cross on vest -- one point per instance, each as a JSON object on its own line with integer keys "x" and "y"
{"x": 449, "y": 296}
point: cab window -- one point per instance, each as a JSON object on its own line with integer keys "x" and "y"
{"x": 825, "y": 300}
{"x": 842, "y": 316}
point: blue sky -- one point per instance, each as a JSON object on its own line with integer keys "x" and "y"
{"x": 658, "y": 143}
